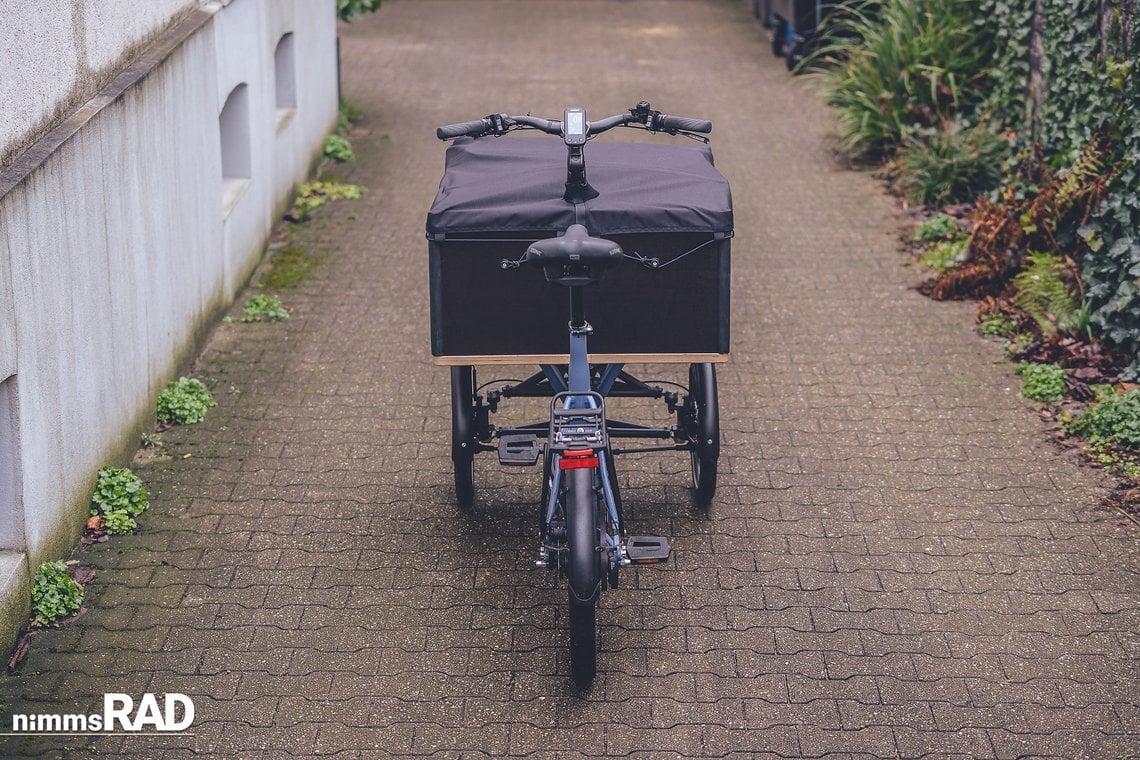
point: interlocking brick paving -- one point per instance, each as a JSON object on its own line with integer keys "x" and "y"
{"x": 895, "y": 564}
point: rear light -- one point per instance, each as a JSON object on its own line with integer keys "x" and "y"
{"x": 578, "y": 460}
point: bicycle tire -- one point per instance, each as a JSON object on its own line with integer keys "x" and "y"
{"x": 779, "y": 38}
{"x": 463, "y": 435}
{"x": 584, "y": 573}
{"x": 706, "y": 449}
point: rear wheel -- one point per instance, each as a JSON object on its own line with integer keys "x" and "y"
{"x": 705, "y": 431}
{"x": 779, "y": 37}
{"x": 463, "y": 434}
{"x": 585, "y": 574}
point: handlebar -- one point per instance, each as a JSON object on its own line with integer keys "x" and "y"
{"x": 640, "y": 116}
{"x": 467, "y": 128}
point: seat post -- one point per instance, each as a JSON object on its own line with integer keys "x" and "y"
{"x": 579, "y": 330}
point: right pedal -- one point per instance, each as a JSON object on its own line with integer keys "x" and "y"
{"x": 520, "y": 450}
{"x": 647, "y": 550}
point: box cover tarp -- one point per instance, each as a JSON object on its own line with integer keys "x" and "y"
{"x": 516, "y": 184}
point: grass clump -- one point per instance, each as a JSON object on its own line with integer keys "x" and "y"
{"x": 1114, "y": 420}
{"x": 184, "y": 402}
{"x": 338, "y": 148}
{"x": 894, "y": 67}
{"x": 951, "y": 165}
{"x": 262, "y": 306}
{"x": 55, "y": 594}
{"x": 347, "y": 114}
{"x": 1042, "y": 382}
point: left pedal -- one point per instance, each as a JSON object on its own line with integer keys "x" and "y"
{"x": 519, "y": 450}
{"x": 647, "y": 550}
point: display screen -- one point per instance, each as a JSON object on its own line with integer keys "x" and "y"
{"x": 575, "y": 122}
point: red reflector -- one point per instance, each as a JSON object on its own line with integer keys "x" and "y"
{"x": 578, "y": 460}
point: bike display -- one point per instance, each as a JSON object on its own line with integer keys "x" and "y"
{"x": 645, "y": 231}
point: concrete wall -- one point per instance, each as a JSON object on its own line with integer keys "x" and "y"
{"x": 118, "y": 248}
{"x": 56, "y": 54}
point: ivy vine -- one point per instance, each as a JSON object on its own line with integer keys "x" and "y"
{"x": 1090, "y": 85}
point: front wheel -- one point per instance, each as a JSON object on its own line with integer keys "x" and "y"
{"x": 584, "y": 573}
{"x": 463, "y": 434}
{"x": 705, "y": 431}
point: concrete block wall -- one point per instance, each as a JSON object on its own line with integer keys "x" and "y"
{"x": 119, "y": 246}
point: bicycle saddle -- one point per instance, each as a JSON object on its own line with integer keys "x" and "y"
{"x": 574, "y": 258}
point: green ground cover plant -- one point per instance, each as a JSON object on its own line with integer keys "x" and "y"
{"x": 1115, "y": 420}
{"x": 119, "y": 497}
{"x": 338, "y": 148}
{"x": 347, "y": 9}
{"x": 55, "y": 595}
{"x": 1042, "y": 382}
{"x": 317, "y": 193}
{"x": 119, "y": 490}
{"x": 263, "y": 306}
{"x": 184, "y": 401}
{"x": 943, "y": 254}
{"x": 937, "y": 227}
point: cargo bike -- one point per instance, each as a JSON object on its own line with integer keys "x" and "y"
{"x": 640, "y": 231}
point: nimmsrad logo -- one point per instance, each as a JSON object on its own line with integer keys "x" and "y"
{"x": 176, "y": 713}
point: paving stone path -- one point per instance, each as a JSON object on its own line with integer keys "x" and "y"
{"x": 895, "y": 564}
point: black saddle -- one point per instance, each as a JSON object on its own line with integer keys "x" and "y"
{"x": 574, "y": 258}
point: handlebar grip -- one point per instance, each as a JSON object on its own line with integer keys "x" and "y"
{"x": 674, "y": 123}
{"x": 465, "y": 129}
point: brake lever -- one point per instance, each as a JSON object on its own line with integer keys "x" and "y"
{"x": 691, "y": 136}
{"x": 506, "y": 264}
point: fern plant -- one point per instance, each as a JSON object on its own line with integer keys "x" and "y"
{"x": 1042, "y": 293}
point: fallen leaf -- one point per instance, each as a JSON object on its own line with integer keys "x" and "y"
{"x": 95, "y": 522}
{"x": 21, "y": 651}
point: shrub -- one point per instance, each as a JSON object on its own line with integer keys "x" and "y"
{"x": 262, "y": 306}
{"x": 55, "y": 594}
{"x": 1042, "y": 382}
{"x": 118, "y": 490}
{"x": 952, "y": 165}
{"x": 1114, "y": 420}
{"x": 185, "y": 402}
{"x": 338, "y": 148}
{"x": 911, "y": 64}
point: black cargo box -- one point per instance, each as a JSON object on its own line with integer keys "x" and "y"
{"x": 660, "y": 201}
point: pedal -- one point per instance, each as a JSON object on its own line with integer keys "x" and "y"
{"x": 647, "y": 550}
{"x": 519, "y": 450}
